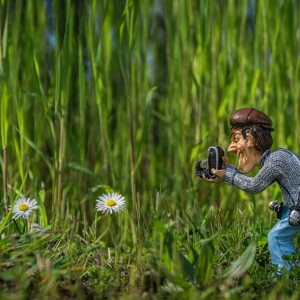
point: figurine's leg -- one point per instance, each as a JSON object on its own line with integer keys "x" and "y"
{"x": 281, "y": 240}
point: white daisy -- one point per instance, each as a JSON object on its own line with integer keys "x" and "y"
{"x": 24, "y": 207}
{"x": 109, "y": 203}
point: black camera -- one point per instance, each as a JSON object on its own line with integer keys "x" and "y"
{"x": 213, "y": 161}
{"x": 277, "y": 207}
{"x": 294, "y": 212}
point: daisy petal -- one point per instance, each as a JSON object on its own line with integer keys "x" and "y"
{"x": 111, "y": 202}
{"x": 24, "y": 208}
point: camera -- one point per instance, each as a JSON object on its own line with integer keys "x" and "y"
{"x": 277, "y": 207}
{"x": 213, "y": 161}
{"x": 294, "y": 215}
{"x": 274, "y": 205}
{"x": 294, "y": 212}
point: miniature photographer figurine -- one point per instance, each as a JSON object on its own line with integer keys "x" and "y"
{"x": 251, "y": 140}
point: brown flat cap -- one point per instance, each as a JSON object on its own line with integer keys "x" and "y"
{"x": 248, "y": 116}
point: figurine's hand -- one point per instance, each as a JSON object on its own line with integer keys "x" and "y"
{"x": 226, "y": 161}
{"x": 219, "y": 176}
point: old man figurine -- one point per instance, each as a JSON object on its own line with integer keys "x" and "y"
{"x": 251, "y": 141}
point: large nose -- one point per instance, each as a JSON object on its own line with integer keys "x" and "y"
{"x": 232, "y": 147}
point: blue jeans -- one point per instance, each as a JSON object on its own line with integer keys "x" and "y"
{"x": 281, "y": 240}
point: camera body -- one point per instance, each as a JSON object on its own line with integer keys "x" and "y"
{"x": 213, "y": 161}
{"x": 277, "y": 207}
{"x": 274, "y": 205}
{"x": 294, "y": 212}
{"x": 294, "y": 215}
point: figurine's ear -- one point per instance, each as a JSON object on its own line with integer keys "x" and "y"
{"x": 249, "y": 139}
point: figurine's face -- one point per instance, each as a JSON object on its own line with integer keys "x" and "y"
{"x": 244, "y": 148}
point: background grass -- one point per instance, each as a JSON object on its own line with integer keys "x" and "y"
{"x": 125, "y": 96}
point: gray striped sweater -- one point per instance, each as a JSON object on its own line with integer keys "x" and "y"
{"x": 279, "y": 165}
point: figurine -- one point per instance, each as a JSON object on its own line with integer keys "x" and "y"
{"x": 251, "y": 141}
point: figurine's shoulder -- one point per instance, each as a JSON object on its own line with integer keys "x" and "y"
{"x": 279, "y": 154}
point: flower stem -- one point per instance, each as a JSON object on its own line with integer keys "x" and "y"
{"x": 105, "y": 231}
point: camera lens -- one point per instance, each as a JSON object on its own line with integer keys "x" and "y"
{"x": 294, "y": 217}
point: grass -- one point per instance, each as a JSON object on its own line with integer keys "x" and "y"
{"x": 124, "y": 96}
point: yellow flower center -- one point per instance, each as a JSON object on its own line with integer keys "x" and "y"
{"x": 23, "y": 207}
{"x": 111, "y": 202}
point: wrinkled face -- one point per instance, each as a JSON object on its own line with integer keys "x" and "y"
{"x": 244, "y": 148}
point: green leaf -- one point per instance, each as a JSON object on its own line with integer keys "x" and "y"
{"x": 38, "y": 151}
{"x": 78, "y": 167}
{"x": 4, "y": 116}
{"x": 204, "y": 267}
{"x": 243, "y": 263}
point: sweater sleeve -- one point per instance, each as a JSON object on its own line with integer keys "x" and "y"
{"x": 269, "y": 173}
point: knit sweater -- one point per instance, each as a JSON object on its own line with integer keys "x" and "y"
{"x": 280, "y": 165}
